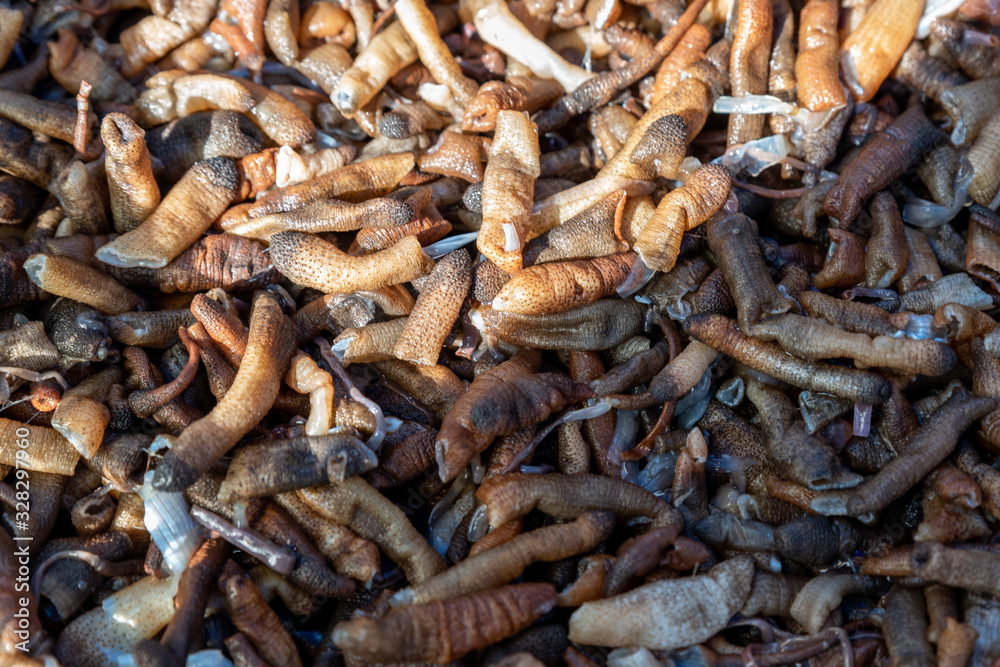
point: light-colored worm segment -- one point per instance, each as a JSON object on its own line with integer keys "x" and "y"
{"x": 436, "y": 310}
{"x": 187, "y": 211}
{"x": 312, "y": 262}
{"x": 507, "y": 190}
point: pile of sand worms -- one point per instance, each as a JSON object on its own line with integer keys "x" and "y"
{"x": 594, "y": 333}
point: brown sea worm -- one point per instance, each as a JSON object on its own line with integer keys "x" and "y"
{"x": 13, "y": 20}
{"x": 748, "y": 65}
{"x": 942, "y": 604}
{"x": 223, "y": 326}
{"x": 587, "y": 366}
{"x": 291, "y": 168}
{"x": 970, "y": 569}
{"x": 927, "y": 448}
{"x": 404, "y": 461}
{"x": 355, "y": 504}
{"x": 436, "y": 310}
{"x": 71, "y": 63}
{"x": 970, "y": 107}
{"x": 881, "y": 160}
{"x": 905, "y": 627}
{"x": 194, "y": 588}
{"x": 328, "y": 215}
{"x": 268, "y": 351}
{"x": 720, "y": 333}
{"x": 350, "y": 555}
{"x": 508, "y": 181}
{"x": 372, "y": 342}
{"x": 691, "y": 101}
{"x": 24, "y": 79}
{"x": 560, "y": 286}
{"x": 953, "y": 288}
{"x": 49, "y": 118}
{"x": 81, "y": 415}
{"x": 872, "y": 49}
{"x": 123, "y": 460}
{"x": 133, "y": 189}
{"x": 501, "y": 401}
{"x": 681, "y": 210}
{"x": 242, "y": 652}
{"x": 419, "y": 23}
{"x": 772, "y": 594}
{"x": 945, "y": 522}
{"x": 982, "y": 259}
{"x": 264, "y": 470}
{"x": 415, "y": 633}
{"x": 409, "y": 120}
{"x": 75, "y": 280}
{"x": 812, "y": 338}
{"x": 929, "y": 74}
{"x": 390, "y": 51}
{"x": 731, "y": 236}
{"x": 667, "y": 614}
{"x": 176, "y": 93}
{"x": 797, "y": 455}
{"x": 823, "y": 594}
{"x": 978, "y": 60}
{"x": 603, "y": 88}
{"x": 456, "y": 155}
{"x": 156, "y": 328}
{"x": 985, "y": 476}
{"x": 24, "y": 157}
{"x": 355, "y": 182}
{"x": 150, "y": 399}
{"x": 18, "y": 200}
{"x": 437, "y": 386}
{"x": 886, "y": 254}
{"x": 986, "y": 382}
{"x": 683, "y": 372}
{"x": 597, "y": 326}
{"x": 818, "y": 62}
{"x": 963, "y": 323}
{"x": 688, "y": 51}
{"x": 637, "y": 369}
{"x": 854, "y": 316}
{"x": 956, "y": 644}
{"x": 154, "y": 36}
{"x": 251, "y": 614}
{"x": 660, "y": 150}
{"x": 312, "y": 262}
{"x": 176, "y": 223}
{"x": 223, "y": 261}
{"x": 845, "y": 261}
{"x": 505, "y": 562}
{"x": 937, "y": 170}
{"x": 714, "y": 296}
{"x": 815, "y": 540}
{"x": 512, "y": 495}
{"x": 517, "y": 93}
{"x": 79, "y": 195}
{"x": 574, "y": 450}
{"x": 593, "y": 232}
{"x": 985, "y": 185}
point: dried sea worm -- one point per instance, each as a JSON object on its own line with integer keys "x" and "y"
{"x": 883, "y": 158}
{"x": 268, "y": 352}
{"x": 264, "y": 470}
{"x": 436, "y": 310}
{"x": 512, "y": 495}
{"x": 814, "y": 339}
{"x": 328, "y": 215}
{"x": 501, "y": 401}
{"x": 721, "y": 333}
{"x": 355, "y": 504}
{"x": 926, "y": 449}
{"x": 600, "y": 325}
{"x": 505, "y": 562}
{"x": 560, "y": 286}
{"x": 512, "y": 169}
{"x": 731, "y": 236}
{"x": 667, "y": 614}
{"x": 872, "y": 50}
{"x": 185, "y": 214}
{"x": 312, "y": 262}
{"x": 748, "y": 66}
{"x": 417, "y": 634}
